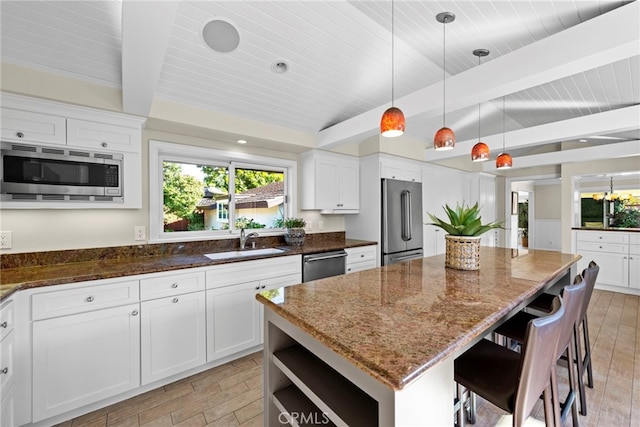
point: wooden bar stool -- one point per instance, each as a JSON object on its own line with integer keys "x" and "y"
{"x": 515, "y": 330}
{"x": 509, "y": 380}
{"x": 583, "y": 345}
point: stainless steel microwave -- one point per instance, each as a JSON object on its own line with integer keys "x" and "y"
{"x": 32, "y": 172}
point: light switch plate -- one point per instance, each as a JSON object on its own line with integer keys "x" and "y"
{"x": 140, "y": 232}
{"x": 5, "y": 240}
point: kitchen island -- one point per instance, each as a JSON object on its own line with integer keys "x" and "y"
{"x": 377, "y": 347}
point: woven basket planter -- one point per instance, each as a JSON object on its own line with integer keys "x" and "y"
{"x": 294, "y": 236}
{"x": 462, "y": 252}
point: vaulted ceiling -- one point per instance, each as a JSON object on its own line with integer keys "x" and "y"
{"x": 567, "y": 70}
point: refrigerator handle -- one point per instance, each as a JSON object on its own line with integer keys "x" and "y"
{"x": 405, "y": 206}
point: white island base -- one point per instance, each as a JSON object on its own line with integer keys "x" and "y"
{"x": 306, "y": 383}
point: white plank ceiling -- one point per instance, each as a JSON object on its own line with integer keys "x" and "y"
{"x": 339, "y": 59}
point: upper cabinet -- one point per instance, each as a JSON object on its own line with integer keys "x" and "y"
{"x": 18, "y": 125}
{"x": 401, "y": 169}
{"x": 330, "y": 182}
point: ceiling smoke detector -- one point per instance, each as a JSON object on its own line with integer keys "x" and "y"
{"x": 221, "y": 36}
{"x": 279, "y": 67}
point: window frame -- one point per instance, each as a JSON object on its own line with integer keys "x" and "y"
{"x": 160, "y": 151}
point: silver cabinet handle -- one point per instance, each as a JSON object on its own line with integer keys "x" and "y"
{"x": 20, "y": 135}
{"x": 104, "y": 144}
{"x": 5, "y": 370}
{"x": 89, "y": 299}
{"x": 175, "y": 300}
{"x": 361, "y": 255}
{"x": 263, "y": 286}
{"x": 4, "y": 325}
{"x": 175, "y": 285}
{"x": 134, "y": 313}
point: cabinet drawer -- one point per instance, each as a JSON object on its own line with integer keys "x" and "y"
{"x": 602, "y": 247}
{"x": 603, "y": 236}
{"x": 361, "y": 254}
{"x": 634, "y": 238}
{"x": 88, "y": 298}
{"x": 634, "y": 249}
{"x": 175, "y": 284}
{"x": 83, "y": 133}
{"x": 18, "y": 125}
{"x": 359, "y": 266}
{"x": 6, "y": 364}
{"x": 247, "y": 271}
{"x": 6, "y": 319}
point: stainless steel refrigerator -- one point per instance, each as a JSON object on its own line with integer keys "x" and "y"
{"x": 401, "y": 221}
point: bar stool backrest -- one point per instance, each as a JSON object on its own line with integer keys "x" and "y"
{"x": 538, "y": 356}
{"x": 573, "y": 298}
{"x": 590, "y": 274}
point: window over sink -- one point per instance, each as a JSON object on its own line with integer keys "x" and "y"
{"x": 199, "y": 193}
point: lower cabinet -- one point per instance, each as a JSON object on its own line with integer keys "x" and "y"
{"x": 172, "y": 335}
{"x": 83, "y": 358}
{"x": 360, "y": 258}
{"x": 233, "y": 319}
{"x": 7, "y": 365}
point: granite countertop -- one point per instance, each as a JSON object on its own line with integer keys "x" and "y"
{"x": 44, "y": 269}
{"x": 628, "y": 230}
{"x": 397, "y": 321}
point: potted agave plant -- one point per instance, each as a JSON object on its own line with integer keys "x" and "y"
{"x": 464, "y": 231}
{"x": 294, "y": 233}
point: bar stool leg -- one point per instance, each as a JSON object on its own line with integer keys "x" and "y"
{"x": 572, "y": 398}
{"x": 579, "y": 361}
{"x": 587, "y": 352}
{"x": 460, "y": 413}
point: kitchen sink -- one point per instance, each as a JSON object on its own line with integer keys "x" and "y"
{"x": 245, "y": 253}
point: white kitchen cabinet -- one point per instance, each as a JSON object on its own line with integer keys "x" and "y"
{"x": 172, "y": 335}
{"x": 234, "y": 317}
{"x": 330, "y": 182}
{"x": 7, "y": 365}
{"x": 83, "y": 358}
{"x": 400, "y": 169}
{"x": 617, "y": 254}
{"x": 27, "y": 126}
{"x": 360, "y": 258}
{"x": 103, "y": 136}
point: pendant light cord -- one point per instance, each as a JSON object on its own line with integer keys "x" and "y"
{"x": 503, "y": 121}
{"x": 444, "y": 62}
{"x": 479, "y": 107}
{"x": 392, "y": 54}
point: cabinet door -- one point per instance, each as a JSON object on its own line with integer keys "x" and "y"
{"x": 8, "y": 410}
{"x": 18, "y": 125}
{"x": 233, "y": 318}
{"x": 327, "y": 184}
{"x": 634, "y": 271}
{"x": 84, "y": 358}
{"x": 103, "y": 136}
{"x": 172, "y": 335}
{"x": 614, "y": 268}
{"x": 349, "y": 186}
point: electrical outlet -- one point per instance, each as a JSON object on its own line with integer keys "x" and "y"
{"x": 309, "y": 226}
{"x": 320, "y": 225}
{"x": 5, "y": 240}
{"x": 140, "y": 232}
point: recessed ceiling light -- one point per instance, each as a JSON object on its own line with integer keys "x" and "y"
{"x": 279, "y": 67}
{"x": 583, "y": 140}
{"x": 241, "y": 141}
{"x": 220, "y": 36}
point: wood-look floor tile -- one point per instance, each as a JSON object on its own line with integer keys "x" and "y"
{"x": 206, "y": 401}
{"x": 164, "y": 421}
{"x": 232, "y": 405}
{"x": 242, "y": 376}
{"x": 197, "y": 420}
{"x": 249, "y": 411}
{"x": 89, "y": 421}
{"x": 229, "y": 420}
{"x": 253, "y": 422}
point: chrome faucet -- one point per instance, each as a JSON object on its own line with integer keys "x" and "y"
{"x": 244, "y": 238}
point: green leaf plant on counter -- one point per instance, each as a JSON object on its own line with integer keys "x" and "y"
{"x": 464, "y": 220}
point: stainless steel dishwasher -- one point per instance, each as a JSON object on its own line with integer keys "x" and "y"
{"x": 324, "y": 264}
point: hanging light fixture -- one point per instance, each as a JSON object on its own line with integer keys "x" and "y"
{"x": 504, "y": 160}
{"x": 392, "y": 121}
{"x": 444, "y": 139}
{"x": 480, "y": 151}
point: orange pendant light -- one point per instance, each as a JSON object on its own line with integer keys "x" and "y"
{"x": 392, "y": 121}
{"x": 444, "y": 138}
{"x": 480, "y": 151}
{"x": 504, "y": 160}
